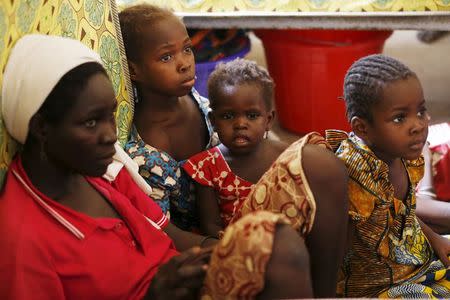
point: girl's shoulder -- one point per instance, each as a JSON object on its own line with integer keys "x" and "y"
{"x": 275, "y": 148}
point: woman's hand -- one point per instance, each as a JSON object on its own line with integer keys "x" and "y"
{"x": 181, "y": 277}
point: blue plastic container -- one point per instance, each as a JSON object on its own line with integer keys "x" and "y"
{"x": 203, "y": 70}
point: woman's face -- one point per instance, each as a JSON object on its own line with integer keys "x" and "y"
{"x": 83, "y": 142}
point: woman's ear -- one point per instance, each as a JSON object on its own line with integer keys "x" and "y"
{"x": 270, "y": 119}
{"x": 360, "y": 127}
{"x": 38, "y": 127}
{"x": 133, "y": 69}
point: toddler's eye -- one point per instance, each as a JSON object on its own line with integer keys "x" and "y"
{"x": 227, "y": 116}
{"x": 253, "y": 115}
{"x": 90, "y": 123}
{"x": 166, "y": 58}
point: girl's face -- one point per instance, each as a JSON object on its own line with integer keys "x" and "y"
{"x": 400, "y": 121}
{"x": 241, "y": 117}
{"x": 83, "y": 141}
{"x": 167, "y": 66}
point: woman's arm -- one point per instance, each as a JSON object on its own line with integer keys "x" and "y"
{"x": 208, "y": 210}
{"x": 185, "y": 240}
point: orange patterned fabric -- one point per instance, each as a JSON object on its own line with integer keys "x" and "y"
{"x": 388, "y": 247}
{"x": 238, "y": 263}
{"x": 284, "y": 188}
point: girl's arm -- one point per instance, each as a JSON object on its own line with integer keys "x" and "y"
{"x": 432, "y": 211}
{"x": 436, "y": 214}
{"x": 440, "y": 244}
{"x": 208, "y": 210}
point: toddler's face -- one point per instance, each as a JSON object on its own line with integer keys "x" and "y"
{"x": 241, "y": 117}
{"x": 167, "y": 65}
{"x": 400, "y": 121}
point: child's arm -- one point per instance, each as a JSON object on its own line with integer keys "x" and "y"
{"x": 432, "y": 211}
{"x": 440, "y": 244}
{"x": 208, "y": 210}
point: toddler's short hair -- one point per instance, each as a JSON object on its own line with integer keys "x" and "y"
{"x": 238, "y": 72}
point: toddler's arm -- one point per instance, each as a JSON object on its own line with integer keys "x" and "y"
{"x": 208, "y": 210}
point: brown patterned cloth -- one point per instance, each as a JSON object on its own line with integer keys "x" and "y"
{"x": 285, "y": 189}
{"x": 238, "y": 263}
{"x": 282, "y": 196}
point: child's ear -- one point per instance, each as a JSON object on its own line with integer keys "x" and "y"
{"x": 132, "y": 68}
{"x": 270, "y": 119}
{"x": 359, "y": 126}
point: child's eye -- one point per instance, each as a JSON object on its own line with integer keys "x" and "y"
{"x": 90, "y": 123}
{"x": 423, "y": 113}
{"x": 399, "y": 119}
{"x": 253, "y": 115}
{"x": 227, "y": 116}
{"x": 166, "y": 57}
{"x": 188, "y": 49}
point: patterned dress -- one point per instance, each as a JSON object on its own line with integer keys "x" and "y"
{"x": 172, "y": 187}
{"x": 209, "y": 168}
{"x": 390, "y": 256}
{"x": 282, "y": 195}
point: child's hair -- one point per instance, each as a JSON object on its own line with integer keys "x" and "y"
{"x": 365, "y": 80}
{"x": 238, "y": 72}
{"x": 133, "y": 21}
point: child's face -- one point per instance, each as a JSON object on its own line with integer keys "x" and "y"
{"x": 400, "y": 121}
{"x": 167, "y": 65}
{"x": 241, "y": 117}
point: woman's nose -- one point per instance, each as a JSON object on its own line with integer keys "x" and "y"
{"x": 109, "y": 134}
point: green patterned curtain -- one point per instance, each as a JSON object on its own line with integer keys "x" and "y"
{"x": 298, "y": 5}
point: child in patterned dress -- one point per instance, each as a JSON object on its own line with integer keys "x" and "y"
{"x": 170, "y": 119}
{"x": 241, "y": 95}
{"x": 391, "y": 252}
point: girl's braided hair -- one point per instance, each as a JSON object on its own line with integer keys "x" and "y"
{"x": 365, "y": 80}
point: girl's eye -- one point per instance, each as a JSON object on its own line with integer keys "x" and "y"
{"x": 227, "y": 116}
{"x": 188, "y": 49}
{"x": 253, "y": 115}
{"x": 166, "y": 58}
{"x": 423, "y": 114}
{"x": 398, "y": 119}
{"x": 90, "y": 123}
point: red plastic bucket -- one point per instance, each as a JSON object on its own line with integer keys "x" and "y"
{"x": 308, "y": 67}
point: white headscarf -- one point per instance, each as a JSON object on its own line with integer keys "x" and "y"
{"x": 36, "y": 64}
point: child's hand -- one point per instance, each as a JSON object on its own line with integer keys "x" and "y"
{"x": 441, "y": 247}
{"x": 181, "y": 277}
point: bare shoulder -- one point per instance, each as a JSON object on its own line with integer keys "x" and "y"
{"x": 323, "y": 165}
{"x": 277, "y": 147}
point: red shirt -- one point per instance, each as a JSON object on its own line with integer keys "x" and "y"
{"x": 49, "y": 251}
